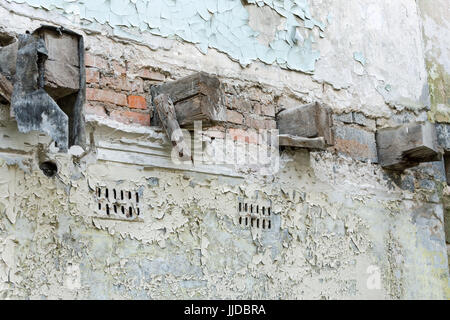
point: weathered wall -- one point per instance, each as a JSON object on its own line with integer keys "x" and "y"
{"x": 436, "y": 28}
{"x": 336, "y": 214}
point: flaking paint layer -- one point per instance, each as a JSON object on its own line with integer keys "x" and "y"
{"x": 219, "y": 24}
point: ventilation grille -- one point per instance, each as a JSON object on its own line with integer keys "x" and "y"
{"x": 117, "y": 203}
{"x": 255, "y": 216}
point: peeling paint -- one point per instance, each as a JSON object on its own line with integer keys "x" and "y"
{"x": 219, "y": 24}
{"x": 335, "y": 219}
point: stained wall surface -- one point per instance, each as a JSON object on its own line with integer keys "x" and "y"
{"x": 341, "y": 227}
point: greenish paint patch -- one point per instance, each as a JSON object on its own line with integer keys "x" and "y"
{"x": 359, "y": 56}
{"x": 219, "y": 24}
{"x": 439, "y": 84}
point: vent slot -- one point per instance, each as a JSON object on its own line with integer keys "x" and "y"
{"x": 116, "y": 203}
{"x": 252, "y": 215}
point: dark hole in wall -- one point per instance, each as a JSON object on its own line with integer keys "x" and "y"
{"x": 49, "y": 168}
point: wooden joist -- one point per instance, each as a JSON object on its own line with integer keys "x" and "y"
{"x": 166, "y": 112}
{"x": 62, "y": 66}
{"x": 195, "y": 98}
{"x": 306, "y": 126}
{"x": 301, "y": 142}
{"x": 8, "y": 58}
{"x": 407, "y": 146}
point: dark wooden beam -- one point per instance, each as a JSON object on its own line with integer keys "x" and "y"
{"x": 287, "y": 140}
{"x": 310, "y": 121}
{"x": 62, "y": 66}
{"x": 166, "y": 112}
{"x": 195, "y": 98}
{"x": 407, "y": 146}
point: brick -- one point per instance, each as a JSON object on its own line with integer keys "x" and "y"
{"x": 257, "y": 94}
{"x": 268, "y": 110}
{"x": 137, "y": 85}
{"x": 362, "y": 120}
{"x": 117, "y": 83}
{"x": 106, "y": 96}
{"x": 357, "y": 118}
{"x": 148, "y": 74}
{"x": 215, "y": 132}
{"x": 137, "y": 102}
{"x": 257, "y": 124}
{"x": 95, "y": 110}
{"x": 92, "y": 75}
{"x": 131, "y": 117}
{"x": 95, "y": 61}
{"x": 257, "y": 108}
{"x": 344, "y": 117}
{"x": 122, "y": 83}
{"x": 118, "y": 68}
{"x": 234, "y": 117}
{"x": 357, "y": 143}
{"x": 261, "y": 124}
{"x": 241, "y": 104}
{"x": 271, "y": 124}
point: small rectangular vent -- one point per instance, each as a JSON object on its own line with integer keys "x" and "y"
{"x": 252, "y": 215}
{"x": 117, "y": 203}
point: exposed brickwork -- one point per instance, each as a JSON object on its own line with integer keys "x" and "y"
{"x": 148, "y": 74}
{"x": 357, "y": 143}
{"x": 122, "y": 83}
{"x": 249, "y": 108}
{"x": 268, "y": 110}
{"x": 130, "y": 117}
{"x": 235, "y": 117}
{"x": 95, "y": 109}
{"x": 247, "y": 136}
{"x": 118, "y": 68}
{"x": 356, "y": 118}
{"x": 215, "y": 132}
{"x": 92, "y": 75}
{"x": 115, "y": 89}
{"x": 95, "y": 61}
{"x": 108, "y": 96}
{"x": 137, "y": 102}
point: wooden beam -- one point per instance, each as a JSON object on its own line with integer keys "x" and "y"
{"x": 8, "y": 58}
{"x": 195, "y": 98}
{"x": 166, "y": 112}
{"x": 62, "y": 67}
{"x": 287, "y": 140}
{"x": 307, "y": 121}
{"x": 407, "y": 146}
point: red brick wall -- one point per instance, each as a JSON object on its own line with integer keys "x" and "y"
{"x": 121, "y": 92}
{"x": 112, "y": 93}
